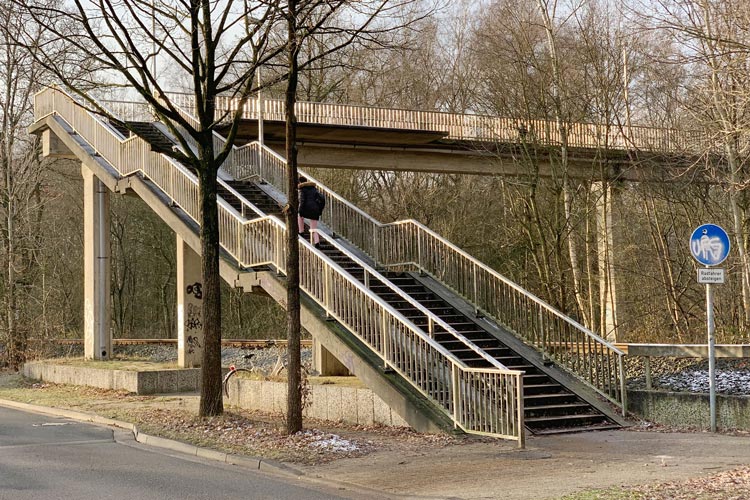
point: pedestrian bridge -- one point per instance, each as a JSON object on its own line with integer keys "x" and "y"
{"x": 362, "y": 137}
{"x": 440, "y": 336}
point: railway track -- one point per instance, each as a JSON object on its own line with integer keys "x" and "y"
{"x": 241, "y": 344}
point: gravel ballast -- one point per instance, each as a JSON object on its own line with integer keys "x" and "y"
{"x": 262, "y": 361}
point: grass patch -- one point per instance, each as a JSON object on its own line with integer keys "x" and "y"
{"x": 615, "y": 493}
{"x": 114, "y": 364}
{"x": 340, "y": 381}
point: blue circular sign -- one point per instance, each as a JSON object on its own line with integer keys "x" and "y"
{"x": 709, "y": 244}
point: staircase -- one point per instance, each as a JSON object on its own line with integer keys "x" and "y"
{"x": 549, "y": 406}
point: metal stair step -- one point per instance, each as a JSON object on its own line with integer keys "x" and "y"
{"x": 547, "y": 388}
{"x": 579, "y": 428}
{"x": 532, "y": 400}
{"x": 562, "y": 418}
{"x": 555, "y": 407}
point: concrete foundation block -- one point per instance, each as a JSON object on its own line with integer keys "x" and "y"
{"x": 318, "y": 404}
{"x": 247, "y": 394}
{"x": 349, "y": 405}
{"x": 266, "y": 396}
{"x": 365, "y": 408}
{"x": 167, "y": 381}
{"x": 147, "y": 382}
{"x": 279, "y": 391}
{"x": 188, "y": 380}
{"x": 334, "y": 404}
{"x": 122, "y": 380}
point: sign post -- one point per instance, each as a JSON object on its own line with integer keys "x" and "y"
{"x": 710, "y": 246}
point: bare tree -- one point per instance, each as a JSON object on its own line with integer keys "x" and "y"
{"x": 217, "y": 46}
{"x": 716, "y": 45}
{"x": 324, "y": 24}
{"x": 21, "y": 203}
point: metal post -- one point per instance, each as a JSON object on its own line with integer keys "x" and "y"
{"x": 711, "y": 354}
{"x": 260, "y": 116}
{"x": 455, "y": 379}
{"x": 384, "y": 339}
{"x": 102, "y": 263}
{"x": 519, "y": 415}
{"x": 623, "y": 385}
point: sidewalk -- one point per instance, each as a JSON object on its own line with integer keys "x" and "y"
{"x": 550, "y": 466}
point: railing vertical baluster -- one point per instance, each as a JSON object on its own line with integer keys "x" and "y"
{"x": 384, "y": 338}
{"x": 455, "y": 390}
{"x": 623, "y": 386}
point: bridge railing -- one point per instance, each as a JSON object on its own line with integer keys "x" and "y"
{"x": 485, "y": 401}
{"x": 472, "y": 127}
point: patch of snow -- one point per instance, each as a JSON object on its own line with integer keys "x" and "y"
{"x": 331, "y": 442}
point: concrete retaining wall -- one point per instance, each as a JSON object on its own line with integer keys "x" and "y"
{"x": 327, "y": 402}
{"x": 139, "y": 382}
{"x": 681, "y": 409}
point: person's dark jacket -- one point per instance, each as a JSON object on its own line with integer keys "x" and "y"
{"x": 311, "y": 201}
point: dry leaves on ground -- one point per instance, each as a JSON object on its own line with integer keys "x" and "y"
{"x": 728, "y": 485}
{"x": 261, "y": 434}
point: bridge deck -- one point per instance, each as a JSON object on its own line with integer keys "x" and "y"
{"x": 274, "y": 131}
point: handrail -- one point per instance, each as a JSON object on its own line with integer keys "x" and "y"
{"x": 432, "y": 319}
{"x": 505, "y": 280}
{"x": 484, "y": 401}
{"x": 600, "y": 365}
{"x": 472, "y": 127}
{"x": 410, "y": 243}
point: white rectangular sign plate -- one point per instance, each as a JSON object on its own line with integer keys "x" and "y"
{"x": 710, "y": 275}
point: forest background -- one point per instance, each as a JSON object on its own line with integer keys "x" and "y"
{"x": 670, "y": 65}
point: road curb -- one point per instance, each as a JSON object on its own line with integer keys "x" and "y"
{"x": 255, "y": 463}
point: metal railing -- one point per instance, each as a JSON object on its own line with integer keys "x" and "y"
{"x": 129, "y": 111}
{"x": 409, "y": 243}
{"x": 472, "y": 127}
{"x": 435, "y": 324}
{"x": 478, "y": 400}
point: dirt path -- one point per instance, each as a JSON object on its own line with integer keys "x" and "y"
{"x": 550, "y": 467}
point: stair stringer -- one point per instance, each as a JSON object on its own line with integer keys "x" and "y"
{"x": 417, "y": 410}
{"x": 533, "y": 356}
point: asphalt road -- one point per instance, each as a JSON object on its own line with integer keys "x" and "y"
{"x": 48, "y": 458}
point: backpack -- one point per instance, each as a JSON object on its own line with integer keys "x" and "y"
{"x": 320, "y": 200}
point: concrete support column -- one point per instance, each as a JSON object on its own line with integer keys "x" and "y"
{"x": 96, "y": 268}
{"x": 607, "y": 198}
{"x": 326, "y": 363}
{"x": 189, "y": 307}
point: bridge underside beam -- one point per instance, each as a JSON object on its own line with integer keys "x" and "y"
{"x": 506, "y": 161}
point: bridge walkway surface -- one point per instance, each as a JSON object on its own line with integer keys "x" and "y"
{"x": 392, "y": 299}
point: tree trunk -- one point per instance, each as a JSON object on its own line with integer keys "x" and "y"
{"x": 560, "y": 119}
{"x": 294, "y": 389}
{"x": 211, "y": 402}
